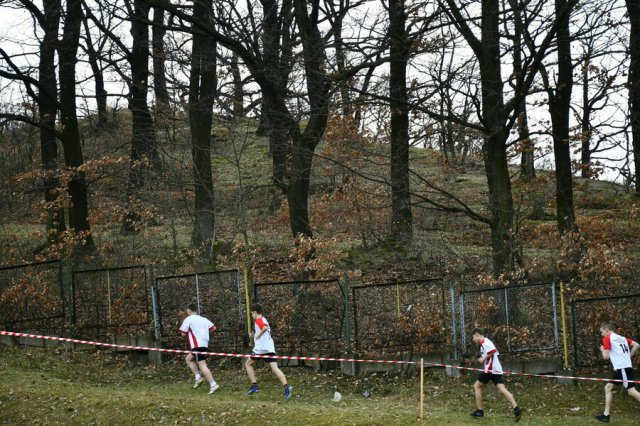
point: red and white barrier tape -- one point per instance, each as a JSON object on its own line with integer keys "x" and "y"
{"x": 303, "y": 358}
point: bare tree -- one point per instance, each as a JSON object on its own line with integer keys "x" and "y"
{"x": 498, "y": 117}
{"x": 68, "y": 56}
{"x": 159, "y": 73}
{"x": 94, "y": 54}
{"x": 48, "y": 111}
{"x": 560, "y": 110}
{"x": 633, "y": 9}
{"x": 202, "y": 92}
{"x": 144, "y": 143}
{"x": 401, "y": 228}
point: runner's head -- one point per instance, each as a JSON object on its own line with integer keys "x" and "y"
{"x": 256, "y": 311}
{"x": 192, "y": 309}
{"x": 477, "y": 335}
{"x": 606, "y": 329}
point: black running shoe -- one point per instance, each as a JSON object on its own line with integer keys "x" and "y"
{"x": 603, "y": 418}
{"x": 518, "y": 413}
{"x": 477, "y": 413}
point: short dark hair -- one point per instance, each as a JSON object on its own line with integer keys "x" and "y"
{"x": 193, "y": 307}
{"x": 256, "y": 308}
{"x": 607, "y": 326}
{"x": 478, "y": 331}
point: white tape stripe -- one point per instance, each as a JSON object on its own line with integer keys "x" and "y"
{"x": 304, "y": 358}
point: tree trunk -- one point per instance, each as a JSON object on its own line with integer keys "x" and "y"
{"x": 341, "y": 59}
{"x": 317, "y": 86}
{"x": 279, "y": 147}
{"x": 96, "y": 70}
{"x": 585, "y": 124}
{"x": 263, "y": 123}
{"x": 143, "y": 141}
{"x": 560, "y": 108}
{"x": 202, "y": 91}
{"x": 298, "y": 192}
{"x": 159, "y": 73}
{"x": 68, "y": 53}
{"x": 144, "y": 146}
{"x": 238, "y": 88}
{"x": 401, "y": 220}
{"x": 527, "y": 147}
{"x": 633, "y": 7}
{"x": 276, "y": 52}
{"x": 47, "y": 107}
{"x": 494, "y": 148}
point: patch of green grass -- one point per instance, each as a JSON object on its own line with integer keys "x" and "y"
{"x": 58, "y": 386}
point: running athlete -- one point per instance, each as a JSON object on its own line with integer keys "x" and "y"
{"x": 197, "y": 329}
{"x": 619, "y": 350}
{"x": 492, "y": 371}
{"x": 263, "y": 345}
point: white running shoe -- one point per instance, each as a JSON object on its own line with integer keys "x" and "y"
{"x": 198, "y": 382}
{"x": 214, "y": 388}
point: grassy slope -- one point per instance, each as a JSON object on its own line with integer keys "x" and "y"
{"x": 438, "y": 237}
{"x": 62, "y": 387}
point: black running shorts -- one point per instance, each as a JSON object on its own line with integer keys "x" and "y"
{"x": 623, "y": 374}
{"x": 200, "y": 357}
{"x": 484, "y": 378}
{"x": 264, "y": 358}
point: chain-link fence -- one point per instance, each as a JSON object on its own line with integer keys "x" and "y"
{"x": 517, "y": 319}
{"x": 407, "y": 316}
{"x": 587, "y": 316}
{"x": 32, "y": 298}
{"x": 111, "y": 302}
{"x": 305, "y": 316}
{"x": 218, "y": 296}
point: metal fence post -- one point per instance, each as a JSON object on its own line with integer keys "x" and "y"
{"x": 564, "y": 328}
{"x": 69, "y": 289}
{"x": 555, "y": 314}
{"x": 247, "y": 301}
{"x": 347, "y": 322}
{"x": 575, "y": 335}
{"x": 156, "y": 313}
{"x": 453, "y": 322}
{"x": 398, "y": 298}
{"x": 506, "y": 310}
{"x": 239, "y": 290}
{"x": 109, "y": 313}
{"x": 198, "y": 293}
{"x": 463, "y": 337}
{"x": 354, "y": 299}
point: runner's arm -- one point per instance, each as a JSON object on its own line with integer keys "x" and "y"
{"x": 262, "y": 331}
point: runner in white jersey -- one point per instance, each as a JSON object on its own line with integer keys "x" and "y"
{"x": 619, "y": 350}
{"x": 263, "y": 345}
{"x": 196, "y": 329}
{"x": 492, "y": 371}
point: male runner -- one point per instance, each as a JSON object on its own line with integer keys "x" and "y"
{"x": 197, "y": 329}
{"x": 264, "y": 345}
{"x": 619, "y": 350}
{"x": 492, "y": 371}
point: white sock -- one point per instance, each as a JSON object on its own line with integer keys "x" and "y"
{"x": 213, "y": 383}
{"x": 198, "y": 376}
